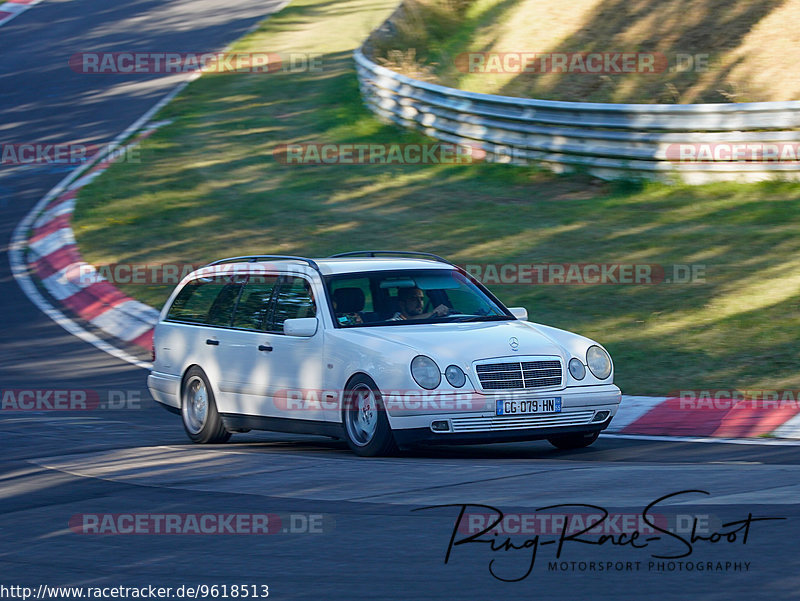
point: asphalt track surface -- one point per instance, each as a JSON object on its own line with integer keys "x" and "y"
{"x": 373, "y": 544}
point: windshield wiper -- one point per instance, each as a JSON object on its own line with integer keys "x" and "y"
{"x": 481, "y": 318}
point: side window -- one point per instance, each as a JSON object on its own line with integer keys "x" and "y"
{"x": 207, "y": 301}
{"x": 352, "y": 301}
{"x": 251, "y": 313}
{"x": 362, "y": 284}
{"x": 221, "y": 312}
{"x": 295, "y": 300}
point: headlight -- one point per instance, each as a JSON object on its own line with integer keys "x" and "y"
{"x": 577, "y": 369}
{"x": 599, "y": 362}
{"x": 425, "y": 372}
{"x": 455, "y": 376}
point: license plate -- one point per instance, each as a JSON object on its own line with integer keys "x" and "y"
{"x": 528, "y": 406}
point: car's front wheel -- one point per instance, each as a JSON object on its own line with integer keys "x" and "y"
{"x": 201, "y": 420}
{"x": 573, "y": 441}
{"x": 366, "y": 425}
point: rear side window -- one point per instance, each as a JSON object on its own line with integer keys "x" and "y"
{"x": 251, "y": 313}
{"x": 207, "y": 301}
{"x": 349, "y": 284}
{"x": 294, "y": 300}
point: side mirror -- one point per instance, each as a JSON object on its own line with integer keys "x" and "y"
{"x": 520, "y": 313}
{"x": 303, "y": 328}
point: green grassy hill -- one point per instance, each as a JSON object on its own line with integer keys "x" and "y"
{"x": 749, "y": 47}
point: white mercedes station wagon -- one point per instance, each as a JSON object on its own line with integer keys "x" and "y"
{"x": 382, "y": 349}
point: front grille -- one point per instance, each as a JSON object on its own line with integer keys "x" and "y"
{"x": 519, "y": 375}
{"x": 521, "y": 422}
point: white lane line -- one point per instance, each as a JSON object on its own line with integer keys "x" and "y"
{"x": 16, "y": 250}
{"x": 10, "y": 10}
{"x": 777, "y": 442}
{"x": 13, "y": 7}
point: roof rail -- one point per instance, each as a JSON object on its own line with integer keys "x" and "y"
{"x": 373, "y": 253}
{"x": 256, "y": 258}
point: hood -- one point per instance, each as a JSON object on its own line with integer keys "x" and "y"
{"x": 464, "y": 343}
{"x": 574, "y": 344}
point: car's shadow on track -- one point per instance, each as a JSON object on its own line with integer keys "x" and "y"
{"x": 606, "y": 449}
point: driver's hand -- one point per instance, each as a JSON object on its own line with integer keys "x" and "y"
{"x": 441, "y": 310}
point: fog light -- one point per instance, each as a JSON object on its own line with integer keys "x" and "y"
{"x": 577, "y": 369}
{"x": 441, "y": 425}
{"x": 601, "y": 416}
{"x": 455, "y": 375}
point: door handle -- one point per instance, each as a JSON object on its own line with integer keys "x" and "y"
{"x": 264, "y": 347}
{"x": 212, "y": 342}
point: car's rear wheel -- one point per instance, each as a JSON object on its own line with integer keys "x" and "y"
{"x": 573, "y": 441}
{"x": 366, "y": 426}
{"x": 201, "y": 420}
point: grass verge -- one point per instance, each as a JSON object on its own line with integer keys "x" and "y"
{"x": 208, "y": 186}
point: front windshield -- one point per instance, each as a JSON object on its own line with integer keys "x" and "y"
{"x": 409, "y": 296}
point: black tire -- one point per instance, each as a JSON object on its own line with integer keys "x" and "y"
{"x": 569, "y": 442}
{"x": 366, "y": 427}
{"x": 199, "y": 413}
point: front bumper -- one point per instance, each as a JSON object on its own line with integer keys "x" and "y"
{"x": 584, "y": 409}
{"x": 416, "y": 436}
{"x": 579, "y": 404}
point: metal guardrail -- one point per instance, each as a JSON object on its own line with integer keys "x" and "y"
{"x": 695, "y": 143}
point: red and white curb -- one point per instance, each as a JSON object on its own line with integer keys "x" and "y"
{"x": 682, "y": 419}
{"x": 55, "y": 259}
{"x": 14, "y": 8}
{"x": 58, "y": 205}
